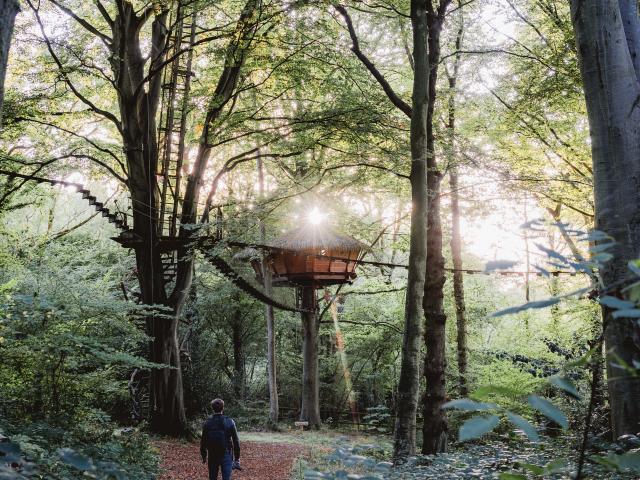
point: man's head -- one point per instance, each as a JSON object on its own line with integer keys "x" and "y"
{"x": 218, "y": 405}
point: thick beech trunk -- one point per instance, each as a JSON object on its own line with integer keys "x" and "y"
{"x": 434, "y": 429}
{"x": 409, "y": 382}
{"x": 138, "y": 107}
{"x": 8, "y": 11}
{"x": 310, "y": 411}
{"x": 608, "y": 44}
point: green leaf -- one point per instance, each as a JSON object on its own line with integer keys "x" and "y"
{"x": 565, "y": 384}
{"x": 477, "y": 426}
{"x": 626, "y": 313}
{"x": 549, "y": 410}
{"x": 499, "y": 265}
{"x": 520, "y": 423}
{"x": 75, "y": 459}
{"x": 512, "y": 476}
{"x": 602, "y": 257}
{"x": 469, "y": 405}
{"x": 597, "y": 236}
{"x": 535, "y": 469}
{"x": 634, "y": 266}
{"x": 487, "y": 391}
{"x": 613, "y": 302}
{"x": 579, "y": 362}
{"x": 555, "y": 466}
{"x": 552, "y": 253}
{"x": 602, "y": 247}
{"x": 543, "y": 271}
{"x": 526, "y": 306}
{"x": 625, "y": 461}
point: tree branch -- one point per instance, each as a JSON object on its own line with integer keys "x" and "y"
{"x": 355, "y": 48}
{"x": 65, "y": 76}
{"x": 88, "y": 140}
{"x": 104, "y": 13}
{"x": 107, "y": 40}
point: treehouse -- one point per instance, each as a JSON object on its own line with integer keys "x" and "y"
{"x": 311, "y": 256}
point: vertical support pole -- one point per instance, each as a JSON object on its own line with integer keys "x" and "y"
{"x": 269, "y": 316}
{"x": 310, "y": 411}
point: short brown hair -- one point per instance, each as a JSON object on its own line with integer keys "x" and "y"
{"x": 217, "y": 404}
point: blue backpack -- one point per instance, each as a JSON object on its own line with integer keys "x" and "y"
{"x": 217, "y": 430}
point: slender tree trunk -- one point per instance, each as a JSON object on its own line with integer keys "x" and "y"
{"x": 409, "y": 381}
{"x": 272, "y": 371}
{"x": 607, "y": 37}
{"x": 8, "y": 11}
{"x": 435, "y": 426}
{"x": 239, "y": 377}
{"x": 434, "y": 430}
{"x": 269, "y": 316}
{"x": 456, "y": 240}
{"x": 310, "y": 411}
{"x": 458, "y": 286}
{"x": 527, "y": 253}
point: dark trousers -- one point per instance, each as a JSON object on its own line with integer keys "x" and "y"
{"x": 224, "y": 466}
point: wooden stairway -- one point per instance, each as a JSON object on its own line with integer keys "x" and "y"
{"x": 119, "y": 219}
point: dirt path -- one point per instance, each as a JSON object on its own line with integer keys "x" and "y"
{"x": 260, "y": 461}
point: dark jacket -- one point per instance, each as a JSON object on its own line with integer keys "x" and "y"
{"x": 213, "y": 422}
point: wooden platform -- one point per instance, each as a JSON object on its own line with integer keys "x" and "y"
{"x": 129, "y": 239}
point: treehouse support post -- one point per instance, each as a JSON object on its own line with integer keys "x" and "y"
{"x": 310, "y": 411}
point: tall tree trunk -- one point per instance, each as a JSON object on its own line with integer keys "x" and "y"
{"x": 458, "y": 286}
{"x": 239, "y": 377}
{"x": 138, "y": 107}
{"x": 456, "y": 240}
{"x": 434, "y": 429}
{"x": 527, "y": 252}
{"x": 8, "y": 11}
{"x": 269, "y": 316}
{"x": 409, "y": 381}
{"x": 608, "y": 43}
{"x": 404, "y": 443}
{"x": 310, "y": 411}
{"x": 435, "y": 426}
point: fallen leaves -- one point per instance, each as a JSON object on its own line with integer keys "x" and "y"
{"x": 260, "y": 461}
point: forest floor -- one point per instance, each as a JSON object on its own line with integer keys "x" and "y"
{"x": 287, "y": 455}
{"x": 263, "y": 457}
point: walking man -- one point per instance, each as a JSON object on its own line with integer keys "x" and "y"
{"x": 220, "y": 443}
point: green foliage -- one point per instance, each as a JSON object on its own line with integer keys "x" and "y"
{"x": 68, "y": 342}
{"x": 378, "y": 419}
{"x": 123, "y": 454}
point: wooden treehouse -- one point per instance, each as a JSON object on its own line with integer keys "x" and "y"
{"x": 311, "y": 257}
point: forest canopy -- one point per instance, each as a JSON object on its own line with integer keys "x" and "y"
{"x": 406, "y": 229}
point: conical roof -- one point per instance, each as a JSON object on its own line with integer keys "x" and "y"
{"x": 314, "y": 237}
